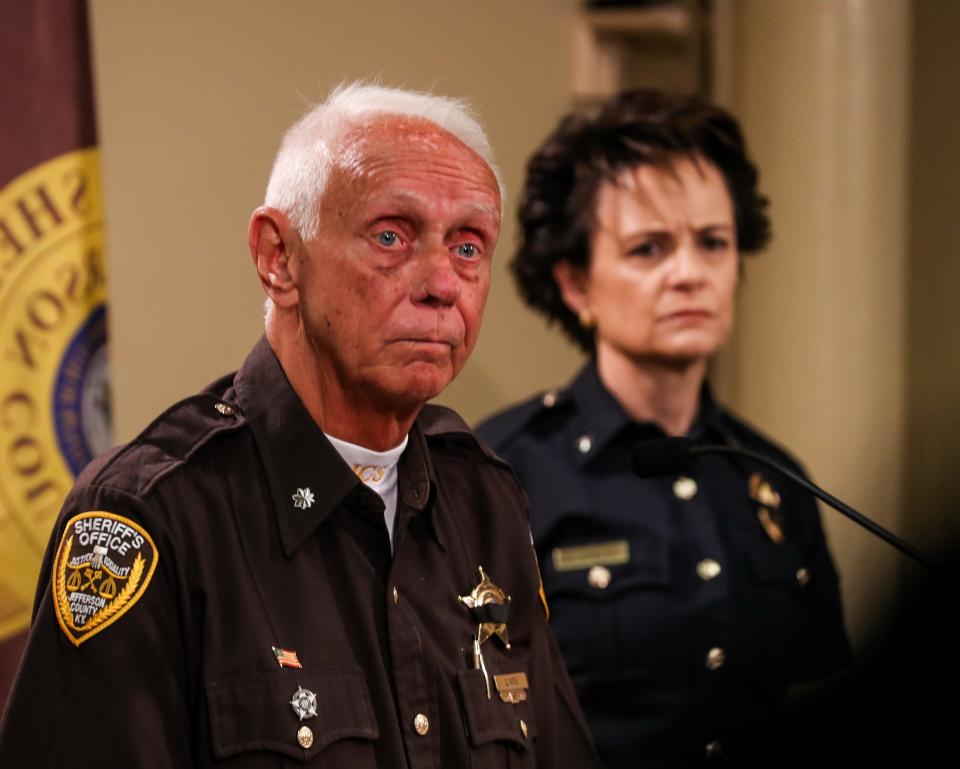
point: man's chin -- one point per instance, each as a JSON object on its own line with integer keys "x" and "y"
{"x": 418, "y": 382}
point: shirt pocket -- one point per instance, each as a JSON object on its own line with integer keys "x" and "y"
{"x": 773, "y": 611}
{"x": 501, "y": 733}
{"x": 251, "y": 715}
{"x": 608, "y": 616}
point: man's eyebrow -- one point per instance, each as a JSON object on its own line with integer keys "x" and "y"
{"x": 401, "y": 194}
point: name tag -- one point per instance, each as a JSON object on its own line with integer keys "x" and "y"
{"x": 511, "y": 686}
{"x": 596, "y": 554}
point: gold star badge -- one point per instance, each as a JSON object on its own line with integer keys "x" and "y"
{"x": 489, "y": 606}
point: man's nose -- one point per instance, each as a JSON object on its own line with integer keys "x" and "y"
{"x": 438, "y": 282}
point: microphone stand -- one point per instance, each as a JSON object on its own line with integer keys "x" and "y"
{"x": 887, "y": 536}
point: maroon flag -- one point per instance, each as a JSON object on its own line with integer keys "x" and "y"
{"x": 54, "y": 389}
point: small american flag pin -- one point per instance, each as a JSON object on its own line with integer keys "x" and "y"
{"x": 287, "y": 658}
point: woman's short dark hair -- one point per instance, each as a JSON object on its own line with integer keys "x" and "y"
{"x": 557, "y": 212}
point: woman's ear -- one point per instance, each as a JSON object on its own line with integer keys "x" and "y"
{"x": 573, "y": 283}
{"x": 273, "y": 245}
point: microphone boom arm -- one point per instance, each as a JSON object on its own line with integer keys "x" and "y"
{"x": 872, "y": 526}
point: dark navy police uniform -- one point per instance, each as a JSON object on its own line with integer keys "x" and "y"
{"x": 221, "y": 592}
{"x": 683, "y": 605}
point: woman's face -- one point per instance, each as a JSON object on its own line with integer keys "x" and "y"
{"x": 664, "y": 263}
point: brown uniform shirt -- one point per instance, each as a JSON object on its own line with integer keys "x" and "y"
{"x": 231, "y": 526}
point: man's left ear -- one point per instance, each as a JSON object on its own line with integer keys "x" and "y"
{"x": 274, "y": 244}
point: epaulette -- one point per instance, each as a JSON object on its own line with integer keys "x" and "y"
{"x": 167, "y": 443}
{"x": 499, "y": 429}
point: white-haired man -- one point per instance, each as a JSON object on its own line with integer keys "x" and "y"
{"x": 304, "y": 564}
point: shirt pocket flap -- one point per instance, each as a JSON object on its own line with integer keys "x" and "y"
{"x": 492, "y": 720}
{"x": 780, "y": 566}
{"x": 254, "y": 712}
{"x": 648, "y": 563}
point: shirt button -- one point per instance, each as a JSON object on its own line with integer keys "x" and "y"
{"x": 713, "y": 749}
{"x": 305, "y": 737}
{"x": 715, "y": 658}
{"x": 396, "y": 596}
{"x": 599, "y": 577}
{"x": 685, "y": 488}
{"x": 523, "y": 728}
{"x": 584, "y": 444}
{"x": 224, "y": 409}
{"x": 550, "y": 398}
{"x": 421, "y": 724}
{"x": 708, "y": 569}
{"x": 803, "y": 576}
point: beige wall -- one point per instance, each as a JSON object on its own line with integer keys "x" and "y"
{"x": 193, "y": 98}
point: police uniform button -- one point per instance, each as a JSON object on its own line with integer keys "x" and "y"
{"x": 396, "y": 596}
{"x": 550, "y": 398}
{"x": 523, "y": 728}
{"x": 224, "y": 409}
{"x": 599, "y": 577}
{"x": 715, "y": 658}
{"x": 803, "y": 576}
{"x": 713, "y": 749}
{"x": 685, "y": 488}
{"x": 305, "y": 737}
{"x": 584, "y": 444}
{"x": 421, "y": 724}
{"x": 708, "y": 569}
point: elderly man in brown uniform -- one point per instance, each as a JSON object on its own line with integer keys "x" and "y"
{"x": 304, "y": 564}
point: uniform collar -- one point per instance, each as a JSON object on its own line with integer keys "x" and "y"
{"x": 600, "y": 417}
{"x": 299, "y": 461}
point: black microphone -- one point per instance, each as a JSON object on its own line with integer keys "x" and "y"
{"x": 673, "y": 455}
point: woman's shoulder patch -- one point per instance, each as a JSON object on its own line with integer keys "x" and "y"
{"x": 103, "y": 566}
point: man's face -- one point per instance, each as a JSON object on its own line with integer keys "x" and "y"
{"x": 391, "y": 292}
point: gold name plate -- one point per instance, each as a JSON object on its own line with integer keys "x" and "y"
{"x": 511, "y": 686}
{"x": 598, "y": 554}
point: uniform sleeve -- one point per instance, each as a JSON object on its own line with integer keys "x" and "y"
{"x": 102, "y": 682}
{"x": 564, "y": 738}
{"x": 827, "y": 646}
{"x": 566, "y": 741}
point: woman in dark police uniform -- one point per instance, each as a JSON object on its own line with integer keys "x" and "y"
{"x": 684, "y": 605}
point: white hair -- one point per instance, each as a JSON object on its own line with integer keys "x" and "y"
{"x": 302, "y": 166}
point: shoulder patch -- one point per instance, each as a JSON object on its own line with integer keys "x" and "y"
{"x": 103, "y": 566}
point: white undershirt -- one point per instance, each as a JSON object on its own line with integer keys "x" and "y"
{"x": 377, "y": 470}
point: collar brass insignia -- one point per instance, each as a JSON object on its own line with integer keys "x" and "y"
{"x": 769, "y": 514}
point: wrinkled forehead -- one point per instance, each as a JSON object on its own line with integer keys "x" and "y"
{"x": 385, "y": 142}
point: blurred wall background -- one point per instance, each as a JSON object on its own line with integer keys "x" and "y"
{"x": 847, "y": 349}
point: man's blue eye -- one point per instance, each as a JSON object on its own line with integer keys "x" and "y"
{"x": 468, "y": 250}
{"x": 387, "y": 238}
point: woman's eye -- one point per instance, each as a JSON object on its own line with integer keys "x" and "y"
{"x": 388, "y": 238}
{"x": 468, "y": 250}
{"x": 715, "y": 244}
{"x": 649, "y": 249}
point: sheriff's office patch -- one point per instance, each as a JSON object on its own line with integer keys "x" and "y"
{"x": 103, "y": 566}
